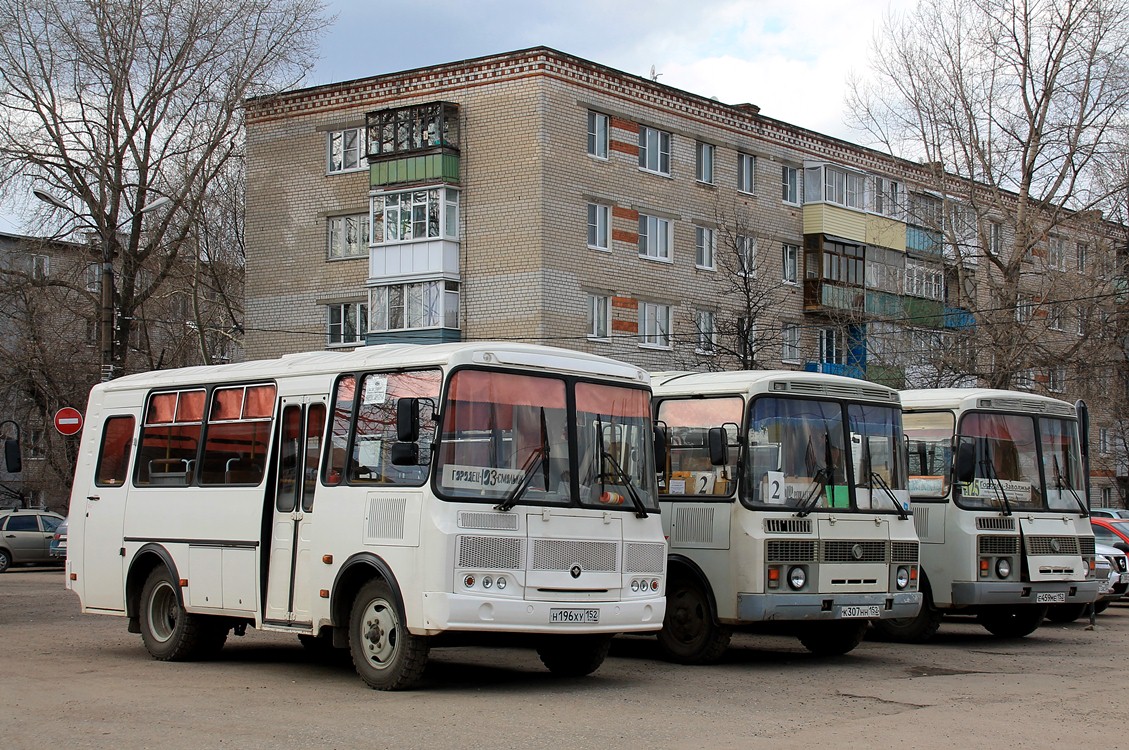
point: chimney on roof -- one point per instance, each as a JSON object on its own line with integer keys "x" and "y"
{"x": 750, "y": 109}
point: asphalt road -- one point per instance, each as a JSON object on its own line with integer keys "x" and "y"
{"x": 69, "y": 680}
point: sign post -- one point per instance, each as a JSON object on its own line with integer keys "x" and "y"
{"x": 68, "y": 421}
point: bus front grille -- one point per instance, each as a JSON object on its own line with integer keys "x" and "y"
{"x": 562, "y": 554}
{"x": 847, "y": 550}
{"x": 904, "y": 552}
{"x": 997, "y": 545}
{"x": 643, "y": 558}
{"x": 1052, "y": 545}
{"x": 789, "y": 550}
{"x": 491, "y": 552}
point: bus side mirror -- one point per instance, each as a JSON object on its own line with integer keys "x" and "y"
{"x": 407, "y": 420}
{"x": 12, "y": 460}
{"x": 966, "y": 462}
{"x": 405, "y": 454}
{"x": 719, "y": 447}
{"x": 660, "y": 446}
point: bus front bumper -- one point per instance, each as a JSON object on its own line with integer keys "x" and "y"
{"x": 972, "y": 593}
{"x": 789, "y": 607}
{"x": 444, "y": 611}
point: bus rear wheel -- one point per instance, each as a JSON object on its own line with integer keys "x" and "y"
{"x": 1012, "y": 621}
{"x": 168, "y": 631}
{"x": 385, "y": 654}
{"x": 833, "y": 638}
{"x": 1063, "y": 613}
{"x": 690, "y": 634}
{"x": 574, "y": 655}
{"x": 917, "y": 629}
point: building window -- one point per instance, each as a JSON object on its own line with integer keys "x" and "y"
{"x": 654, "y": 237}
{"x": 654, "y": 150}
{"x": 1054, "y": 317}
{"x": 1025, "y": 380}
{"x": 832, "y": 347}
{"x": 415, "y": 215}
{"x": 746, "y": 173}
{"x": 654, "y": 325}
{"x": 705, "y": 247}
{"x": 887, "y": 197}
{"x": 790, "y": 185}
{"x": 1103, "y": 440}
{"x": 1080, "y": 321}
{"x": 1024, "y": 310}
{"x": 841, "y": 262}
{"x": 94, "y": 278}
{"x": 1081, "y": 251}
{"x": 924, "y": 280}
{"x": 598, "y": 134}
{"x": 704, "y": 170}
{"x": 746, "y": 248}
{"x": 1056, "y": 379}
{"x": 835, "y": 185}
{"x": 790, "y": 259}
{"x": 707, "y": 333}
{"x": 599, "y": 219}
{"x": 599, "y": 316}
{"x": 347, "y": 323}
{"x": 348, "y": 236}
{"x": 39, "y": 267}
{"x": 790, "y": 342}
{"x": 1107, "y": 497}
{"x": 1056, "y": 254}
{"x": 344, "y": 150}
{"x": 429, "y": 304}
{"x": 995, "y": 238}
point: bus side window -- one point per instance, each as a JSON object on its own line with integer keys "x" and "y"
{"x": 113, "y": 454}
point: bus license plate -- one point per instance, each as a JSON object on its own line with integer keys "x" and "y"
{"x": 1058, "y": 597}
{"x": 574, "y": 615}
{"x": 867, "y": 612}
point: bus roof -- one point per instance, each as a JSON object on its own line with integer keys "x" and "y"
{"x": 382, "y": 356}
{"x": 985, "y": 398}
{"x": 781, "y": 382}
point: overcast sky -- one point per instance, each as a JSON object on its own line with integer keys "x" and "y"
{"x": 789, "y": 57}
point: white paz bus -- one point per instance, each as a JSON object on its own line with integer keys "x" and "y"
{"x": 372, "y": 500}
{"x": 785, "y": 502}
{"x": 998, "y": 489}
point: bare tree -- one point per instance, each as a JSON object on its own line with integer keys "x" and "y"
{"x": 1014, "y": 104}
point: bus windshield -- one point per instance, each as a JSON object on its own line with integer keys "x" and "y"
{"x": 797, "y": 455}
{"x": 506, "y": 437}
{"x": 929, "y": 440}
{"x": 876, "y": 446}
{"x": 1006, "y": 468}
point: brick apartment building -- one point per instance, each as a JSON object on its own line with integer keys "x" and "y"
{"x": 537, "y": 196}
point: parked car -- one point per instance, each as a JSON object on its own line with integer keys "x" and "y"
{"x": 25, "y": 537}
{"x": 1109, "y": 512}
{"x": 1111, "y": 531}
{"x": 58, "y": 548}
{"x": 1112, "y": 569}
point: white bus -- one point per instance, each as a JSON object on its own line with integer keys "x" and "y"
{"x": 784, "y": 499}
{"x": 1004, "y": 529}
{"x": 372, "y": 500}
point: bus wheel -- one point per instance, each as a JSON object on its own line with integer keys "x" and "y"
{"x": 690, "y": 635}
{"x": 832, "y": 638}
{"x": 1062, "y": 613}
{"x": 1012, "y": 622}
{"x": 574, "y": 655}
{"x": 917, "y": 629}
{"x": 167, "y": 630}
{"x": 385, "y": 654}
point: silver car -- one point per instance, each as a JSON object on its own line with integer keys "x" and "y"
{"x": 25, "y": 537}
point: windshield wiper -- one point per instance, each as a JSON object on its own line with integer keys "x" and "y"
{"x": 876, "y": 477}
{"x": 538, "y": 458}
{"x": 640, "y": 507}
{"x": 820, "y": 483}
{"x": 1059, "y": 486}
{"x": 990, "y": 469}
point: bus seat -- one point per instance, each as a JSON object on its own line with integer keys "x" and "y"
{"x": 243, "y": 471}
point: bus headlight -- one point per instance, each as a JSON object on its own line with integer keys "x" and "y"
{"x": 487, "y": 582}
{"x": 797, "y": 577}
{"x": 901, "y": 579}
{"x": 501, "y": 582}
{"x": 1003, "y": 567}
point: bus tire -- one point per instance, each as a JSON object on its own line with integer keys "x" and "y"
{"x": 1064, "y": 613}
{"x": 1012, "y": 621}
{"x": 385, "y": 654}
{"x": 832, "y": 638}
{"x": 5, "y": 560}
{"x": 917, "y": 629}
{"x": 573, "y": 655}
{"x": 690, "y": 633}
{"x": 168, "y": 631}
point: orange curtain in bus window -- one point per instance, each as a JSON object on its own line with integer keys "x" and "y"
{"x": 478, "y": 400}
{"x": 190, "y": 406}
{"x": 113, "y": 459}
{"x": 227, "y": 403}
{"x": 612, "y": 401}
{"x": 162, "y": 409}
{"x": 260, "y": 402}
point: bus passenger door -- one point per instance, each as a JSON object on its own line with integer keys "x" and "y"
{"x": 99, "y": 545}
{"x": 301, "y": 426}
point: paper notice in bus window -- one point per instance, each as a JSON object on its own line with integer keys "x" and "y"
{"x": 376, "y": 389}
{"x": 480, "y": 477}
{"x": 678, "y": 486}
{"x": 926, "y": 485}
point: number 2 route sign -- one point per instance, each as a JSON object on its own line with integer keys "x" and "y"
{"x": 68, "y": 421}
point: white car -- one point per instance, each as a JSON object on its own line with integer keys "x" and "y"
{"x": 1112, "y": 569}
